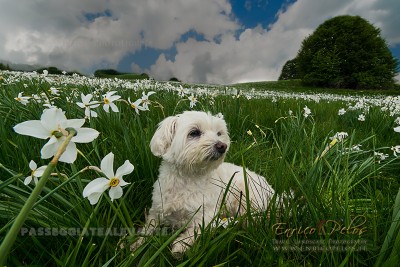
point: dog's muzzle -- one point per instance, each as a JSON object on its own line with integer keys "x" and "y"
{"x": 218, "y": 151}
{"x": 220, "y": 147}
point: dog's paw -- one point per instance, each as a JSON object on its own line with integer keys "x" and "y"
{"x": 137, "y": 244}
{"x": 178, "y": 249}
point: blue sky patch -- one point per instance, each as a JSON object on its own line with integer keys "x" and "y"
{"x": 92, "y": 16}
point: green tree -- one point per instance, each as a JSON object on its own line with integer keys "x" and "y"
{"x": 346, "y": 51}
{"x": 106, "y": 72}
{"x": 4, "y": 67}
{"x": 51, "y": 70}
{"x": 289, "y": 70}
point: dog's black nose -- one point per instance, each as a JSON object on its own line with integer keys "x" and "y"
{"x": 220, "y": 147}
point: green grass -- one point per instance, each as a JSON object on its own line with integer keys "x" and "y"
{"x": 296, "y": 86}
{"x": 326, "y": 192}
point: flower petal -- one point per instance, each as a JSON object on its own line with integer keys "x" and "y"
{"x": 74, "y": 123}
{"x": 81, "y": 105}
{"x": 114, "y": 97}
{"x": 70, "y": 153}
{"x": 93, "y": 114}
{"x": 27, "y": 180}
{"x": 87, "y": 112}
{"x": 39, "y": 171}
{"x": 122, "y": 182}
{"x": 106, "y": 108}
{"x": 85, "y": 135}
{"x": 52, "y": 117}
{"x": 115, "y": 192}
{"x": 86, "y": 98}
{"x": 32, "y": 128}
{"x": 94, "y": 198}
{"x": 107, "y": 164}
{"x": 50, "y": 148}
{"x": 98, "y": 185}
{"x": 114, "y": 107}
{"x": 32, "y": 165}
{"x": 125, "y": 169}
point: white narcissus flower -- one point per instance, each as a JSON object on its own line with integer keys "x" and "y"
{"x": 341, "y": 112}
{"x": 340, "y": 136}
{"x": 136, "y": 105}
{"x": 87, "y": 105}
{"x": 36, "y": 172}
{"x": 53, "y": 125}
{"x": 108, "y": 100}
{"x": 361, "y": 117}
{"x": 380, "y": 156}
{"x": 193, "y": 101}
{"x": 181, "y": 91}
{"x": 37, "y": 98}
{"x": 307, "y": 111}
{"x": 356, "y": 147}
{"x": 54, "y": 91}
{"x": 396, "y": 150}
{"x": 22, "y": 99}
{"x": 114, "y": 181}
{"x": 397, "y": 129}
{"x": 224, "y": 222}
{"x": 145, "y": 99}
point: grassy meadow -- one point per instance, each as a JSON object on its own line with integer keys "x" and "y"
{"x": 341, "y": 191}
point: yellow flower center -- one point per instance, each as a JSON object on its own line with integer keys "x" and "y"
{"x": 133, "y": 105}
{"x": 114, "y": 182}
{"x": 106, "y": 101}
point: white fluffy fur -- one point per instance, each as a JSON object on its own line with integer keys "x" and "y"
{"x": 193, "y": 176}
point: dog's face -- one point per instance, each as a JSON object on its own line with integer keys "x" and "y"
{"x": 196, "y": 142}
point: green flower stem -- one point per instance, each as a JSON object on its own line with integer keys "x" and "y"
{"x": 70, "y": 179}
{"x": 120, "y": 214}
{"x": 23, "y": 214}
{"x": 73, "y": 256}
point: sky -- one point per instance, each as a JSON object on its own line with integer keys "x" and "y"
{"x": 207, "y": 41}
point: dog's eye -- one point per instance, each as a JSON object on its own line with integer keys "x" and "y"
{"x": 195, "y": 133}
{"x": 219, "y": 133}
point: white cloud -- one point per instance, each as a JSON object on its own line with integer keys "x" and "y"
{"x": 260, "y": 54}
{"x": 255, "y": 55}
{"x": 58, "y": 33}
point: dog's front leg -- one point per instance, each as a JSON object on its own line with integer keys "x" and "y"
{"x": 187, "y": 238}
{"x": 183, "y": 242}
{"x": 149, "y": 229}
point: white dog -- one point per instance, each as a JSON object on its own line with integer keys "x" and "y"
{"x": 193, "y": 177}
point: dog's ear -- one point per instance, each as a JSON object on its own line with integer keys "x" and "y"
{"x": 163, "y": 136}
{"x": 219, "y": 115}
